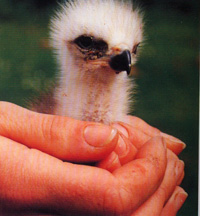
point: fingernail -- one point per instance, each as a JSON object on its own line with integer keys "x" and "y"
{"x": 121, "y": 129}
{"x": 114, "y": 164}
{"x": 180, "y": 198}
{"x": 111, "y": 163}
{"x": 99, "y": 135}
{"x": 179, "y": 166}
{"x": 121, "y": 147}
{"x": 173, "y": 139}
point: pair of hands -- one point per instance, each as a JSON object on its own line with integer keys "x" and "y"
{"x": 140, "y": 174}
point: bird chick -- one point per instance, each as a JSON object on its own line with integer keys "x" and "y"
{"x": 95, "y": 42}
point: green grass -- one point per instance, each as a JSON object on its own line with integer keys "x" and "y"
{"x": 25, "y": 64}
{"x": 167, "y": 95}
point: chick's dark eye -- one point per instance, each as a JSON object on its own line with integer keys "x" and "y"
{"x": 84, "y": 42}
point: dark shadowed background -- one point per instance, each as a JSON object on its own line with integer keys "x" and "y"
{"x": 166, "y": 74}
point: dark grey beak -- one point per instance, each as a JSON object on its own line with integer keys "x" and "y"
{"x": 121, "y": 62}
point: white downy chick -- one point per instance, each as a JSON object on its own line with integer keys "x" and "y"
{"x": 95, "y": 42}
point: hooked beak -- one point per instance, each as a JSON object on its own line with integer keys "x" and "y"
{"x": 121, "y": 62}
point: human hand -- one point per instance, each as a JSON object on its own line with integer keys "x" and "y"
{"x": 132, "y": 136}
{"x": 178, "y": 196}
{"x": 32, "y": 181}
{"x": 11, "y": 128}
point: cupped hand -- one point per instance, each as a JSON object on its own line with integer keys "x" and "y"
{"x": 32, "y": 181}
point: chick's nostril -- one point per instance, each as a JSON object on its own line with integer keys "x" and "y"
{"x": 121, "y": 62}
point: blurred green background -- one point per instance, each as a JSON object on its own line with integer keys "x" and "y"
{"x": 167, "y": 72}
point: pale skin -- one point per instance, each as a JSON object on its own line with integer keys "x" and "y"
{"x": 140, "y": 172}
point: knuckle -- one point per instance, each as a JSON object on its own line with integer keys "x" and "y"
{"x": 49, "y": 129}
{"x": 53, "y": 133}
{"x": 163, "y": 192}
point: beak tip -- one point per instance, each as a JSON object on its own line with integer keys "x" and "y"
{"x": 121, "y": 62}
{"x": 128, "y": 71}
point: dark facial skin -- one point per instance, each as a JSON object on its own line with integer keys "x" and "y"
{"x": 91, "y": 47}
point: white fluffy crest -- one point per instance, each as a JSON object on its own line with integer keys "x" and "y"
{"x": 114, "y": 21}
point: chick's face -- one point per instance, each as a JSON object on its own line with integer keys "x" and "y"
{"x": 95, "y": 53}
{"x": 98, "y": 33}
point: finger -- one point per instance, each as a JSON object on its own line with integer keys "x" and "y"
{"x": 110, "y": 163}
{"x": 181, "y": 178}
{"x": 125, "y": 150}
{"x": 175, "y": 202}
{"x": 176, "y": 145}
{"x": 123, "y": 153}
{"x": 172, "y": 156}
{"x": 139, "y": 132}
{"x": 154, "y": 205}
{"x": 62, "y": 137}
{"x": 143, "y": 175}
{"x": 137, "y": 137}
{"x": 174, "y": 172}
{"x": 141, "y": 125}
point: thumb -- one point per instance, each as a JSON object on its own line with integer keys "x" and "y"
{"x": 62, "y": 137}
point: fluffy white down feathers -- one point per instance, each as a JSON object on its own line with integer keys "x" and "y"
{"x": 89, "y": 86}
